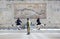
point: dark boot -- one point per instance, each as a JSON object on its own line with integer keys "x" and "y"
{"x": 28, "y": 33}
{"x": 18, "y": 29}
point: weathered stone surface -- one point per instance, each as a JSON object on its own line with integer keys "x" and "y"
{"x": 7, "y": 13}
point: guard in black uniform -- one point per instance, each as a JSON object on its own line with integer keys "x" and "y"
{"x": 18, "y": 23}
{"x": 38, "y": 23}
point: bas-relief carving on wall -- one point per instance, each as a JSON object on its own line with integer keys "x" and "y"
{"x": 30, "y": 10}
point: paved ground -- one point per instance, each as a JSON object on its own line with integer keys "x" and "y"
{"x": 31, "y": 36}
{"x": 35, "y": 34}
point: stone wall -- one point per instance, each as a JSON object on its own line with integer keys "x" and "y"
{"x": 52, "y": 13}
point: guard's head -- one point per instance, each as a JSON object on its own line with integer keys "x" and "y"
{"x": 27, "y": 18}
{"x": 17, "y": 18}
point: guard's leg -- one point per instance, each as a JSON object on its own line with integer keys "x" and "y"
{"x": 28, "y": 30}
{"x": 38, "y": 27}
{"x": 18, "y": 27}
